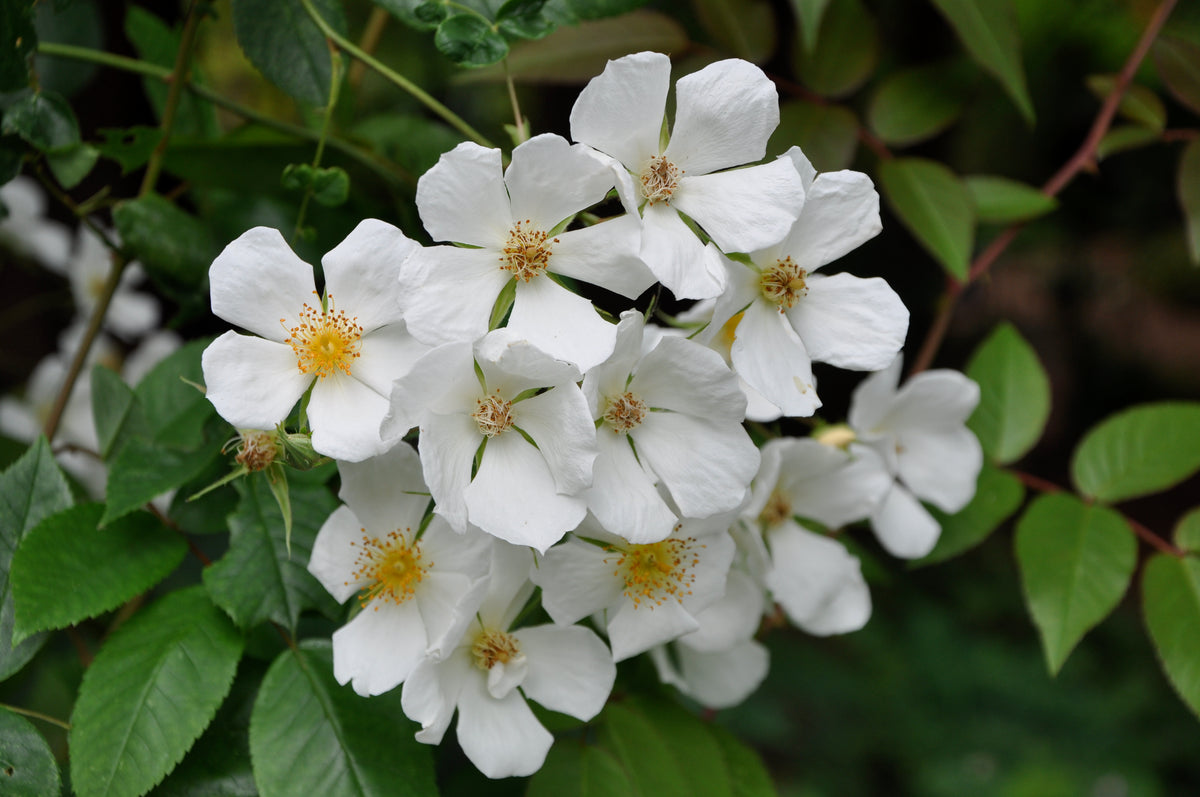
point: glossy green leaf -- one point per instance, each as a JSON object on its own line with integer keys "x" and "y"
{"x": 306, "y": 729}
{"x": 1014, "y": 395}
{"x": 642, "y": 752}
{"x": 173, "y": 246}
{"x": 1138, "y": 103}
{"x": 158, "y": 43}
{"x": 283, "y": 42}
{"x": 18, "y": 44}
{"x": 846, "y": 52}
{"x": 999, "y": 200}
{"x": 468, "y": 40}
{"x": 1171, "y": 605}
{"x": 175, "y": 409}
{"x": 998, "y": 494}
{"x": 258, "y": 579}
{"x": 827, "y": 134}
{"x": 602, "y": 9}
{"x": 916, "y": 104}
{"x": 743, "y": 28}
{"x": 583, "y": 770}
{"x": 144, "y": 469}
{"x": 116, "y": 411}
{"x": 131, "y": 147}
{"x": 150, "y": 692}
{"x": 1123, "y": 138}
{"x": 1139, "y": 451}
{"x": 72, "y": 163}
{"x": 79, "y": 23}
{"x": 103, "y": 566}
{"x": 27, "y": 767}
{"x": 1076, "y": 561}
{"x": 43, "y": 119}
{"x": 747, "y": 773}
{"x": 1178, "y": 62}
{"x": 1187, "y": 183}
{"x": 988, "y": 29}
{"x": 31, "y": 489}
{"x": 523, "y": 19}
{"x": 1187, "y": 531}
{"x": 935, "y": 206}
{"x": 809, "y": 13}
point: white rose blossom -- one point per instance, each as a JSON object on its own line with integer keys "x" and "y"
{"x": 27, "y": 230}
{"x": 724, "y": 115}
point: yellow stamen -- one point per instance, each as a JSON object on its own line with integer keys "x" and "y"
{"x": 777, "y": 510}
{"x": 392, "y": 567}
{"x": 625, "y": 413}
{"x": 660, "y": 179}
{"x": 493, "y": 415}
{"x": 325, "y": 341}
{"x": 527, "y": 252}
{"x": 783, "y": 283}
{"x": 494, "y": 647}
{"x": 658, "y": 572}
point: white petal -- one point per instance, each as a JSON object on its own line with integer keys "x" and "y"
{"x": 620, "y": 111}
{"x": 362, "y": 273}
{"x": 335, "y": 554}
{"x": 448, "y": 292}
{"x": 713, "y": 558}
{"x": 903, "y": 526}
{"x": 443, "y": 380}
{"x": 771, "y": 357}
{"x": 848, "y": 610}
{"x": 448, "y": 602}
{"x": 933, "y": 400}
{"x": 561, "y": 427}
{"x": 605, "y": 254}
{"x": 560, "y": 323}
{"x": 431, "y": 693}
{"x": 636, "y": 629}
{"x": 706, "y": 467}
{"x": 345, "y": 416}
{"x": 509, "y": 587}
{"x": 871, "y": 400}
{"x": 808, "y": 575}
{"x": 576, "y": 580}
{"x": 513, "y": 495}
{"x": 723, "y": 679}
{"x": 808, "y": 172}
{"x": 676, "y": 256}
{"x": 511, "y": 364}
{"x": 841, "y": 213}
{"x": 724, "y": 115}
{"x": 502, "y": 738}
{"x": 462, "y": 198}
{"x": 623, "y": 496}
{"x": 610, "y": 377}
{"x": 741, "y": 289}
{"x": 732, "y": 618}
{"x": 386, "y": 491}
{"x": 681, "y": 375}
{"x": 379, "y": 648}
{"x": 850, "y": 322}
{"x": 253, "y": 383}
{"x": 570, "y": 669}
{"x": 387, "y": 354}
{"x": 132, "y": 314}
{"x": 448, "y": 446}
{"x": 743, "y": 210}
{"x": 550, "y": 180}
{"x": 941, "y": 466}
{"x": 829, "y": 485}
{"x": 260, "y": 285}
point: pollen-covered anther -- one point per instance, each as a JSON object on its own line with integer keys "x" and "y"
{"x": 659, "y": 571}
{"x": 391, "y": 567}
{"x": 494, "y": 647}
{"x": 783, "y": 283}
{"x": 527, "y": 252}
{"x": 256, "y": 449}
{"x": 326, "y": 340}
{"x": 493, "y": 415}
{"x": 625, "y": 413}
{"x": 660, "y": 180}
{"x": 777, "y": 510}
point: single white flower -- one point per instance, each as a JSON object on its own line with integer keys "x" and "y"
{"x": 920, "y": 431}
{"x": 27, "y": 230}
{"x": 783, "y": 316}
{"x": 131, "y": 313}
{"x": 511, "y": 220}
{"x": 507, "y": 442}
{"x": 495, "y": 668}
{"x": 724, "y": 115}
{"x": 672, "y": 415}
{"x": 417, "y": 593}
{"x": 348, "y": 346}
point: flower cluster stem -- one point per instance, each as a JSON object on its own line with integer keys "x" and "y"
{"x": 37, "y": 715}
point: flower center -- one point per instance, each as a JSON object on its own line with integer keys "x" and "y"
{"x": 660, "y": 178}
{"x": 256, "y": 449}
{"x": 494, "y": 647}
{"x": 493, "y": 415}
{"x": 659, "y": 571}
{"x": 777, "y": 510}
{"x": 527, "y": 252}
{"x": 625, "y": 413}
{"x": 836, "y": 436}
{"x": 393, "y": 567}
{"x": 783, "y": 283}
{"x": 326, "y": 340}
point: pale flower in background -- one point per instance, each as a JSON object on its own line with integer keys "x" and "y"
{"x": 27, "y": 230}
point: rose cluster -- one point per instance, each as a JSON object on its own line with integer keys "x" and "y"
{"x": 598, "y": 467}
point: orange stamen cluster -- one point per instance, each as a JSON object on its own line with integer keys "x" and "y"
{"x": 777, "y": 510}
{"x": 659, "y": 571}
{"x": 494, "y": 647}
{"x": 493, "y": 415}
{"x": 625, "y": 413}
{"x": 325, "y": 341}
{"x": 527, "y": 252}
{"x": 256, "y": 449}
{"x": 783, "y": 283}
{"x": 660, "y": 179}
{"x": 391, "y": 567}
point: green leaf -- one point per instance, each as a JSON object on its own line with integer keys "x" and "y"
{"x": 157, "y": 43}
{"x": 43, "y": 119}
{"x": 132, "y": 146}
{"x": 600, "y": 9}
{"x": 72, "y": 163}
{"x": 1171, "y": 604}
{"x": 27, "y": 767}
{"x": 743, "y": 28}
{"x": 1138, "y": 103}
{"x": 1124, "y": 138}
{"x": 173, "y": 246}
{"x": 1187, "y": 531}
{"x": 583, "y": 770}
{"x": 1187, "y": 184}
{"x": 827, "y": 134}
{"x": 258, "y": 579}
{"x": 916, "y": 104}
{"x": 1076, "y": 561}
{"x": 306, "y": 729}
{"x": 150, "y": 692}
{"x": 999, "y": 200}
{"x": 988, "y": 29}
{"x": 77, "y": 23}
{"x": 998, "y": 494}
{"x": 31, "y": 489}
{"x": 115, "y": 409}
{"x": 175, "y": 410}
{"x": 144, "y": 469}
{"x": 412, "y": 142}
{"x": 18, "y": 44}
{"x": 746, "y": 770}
{"x": 1178, "y": 62}
{"x": 1139, "y": 451}
{"x": 846, "y": 52}
{"x": 1014, "y": 395}
{"x": 935, "y": 206}
{"x": 284, "y": 43}
{"x": 469, "y": 40}
{"x": 136, "y": 552}
{"x": 524, "y": 19}
{"x": 810, "y": 14}
{"x": 642, "y": 751}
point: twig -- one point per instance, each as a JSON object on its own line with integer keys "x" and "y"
{"x": 37, "y": 715}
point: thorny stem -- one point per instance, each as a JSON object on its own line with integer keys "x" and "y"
{"x": 1084, "y": 158}
{"x": 37, "y": 715}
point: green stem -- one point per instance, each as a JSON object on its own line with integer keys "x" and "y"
{"x": 451, "y": 118}
{"x": 335, "y": 85}
{"x": 179, "y": 79}
{"x": 522, "y": 127}
{"x": 37, "y": 715}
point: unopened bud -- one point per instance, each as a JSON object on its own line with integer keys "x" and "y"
{"x": 836, "y": 436}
